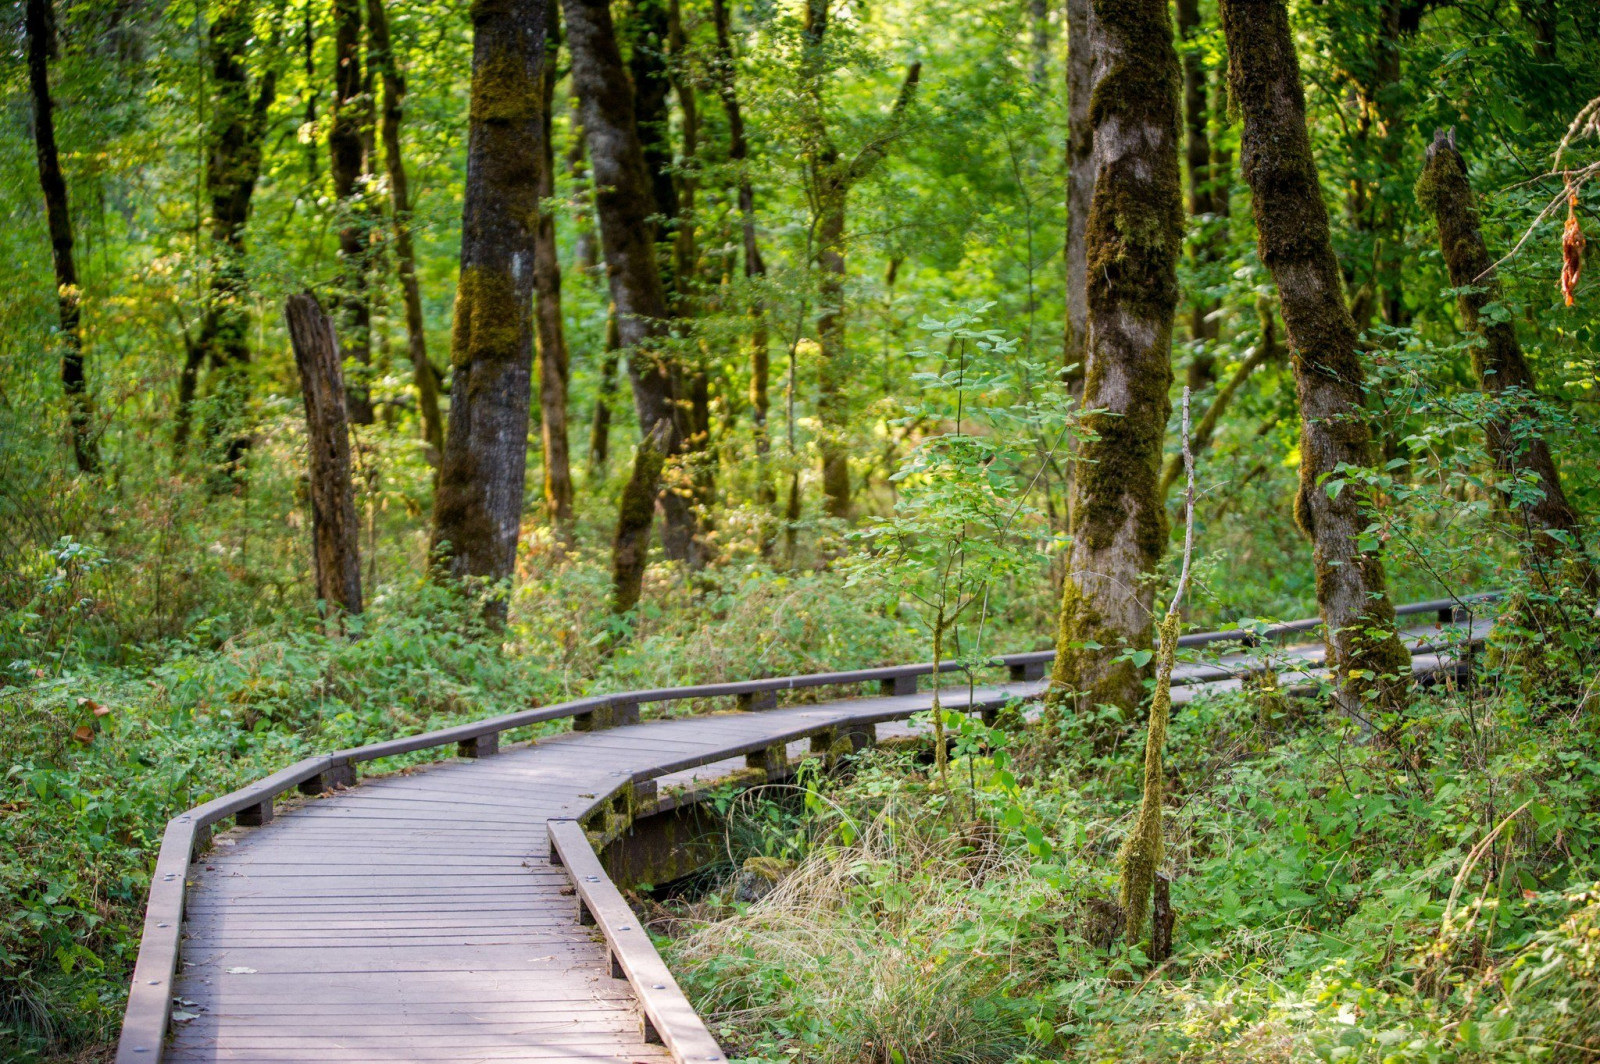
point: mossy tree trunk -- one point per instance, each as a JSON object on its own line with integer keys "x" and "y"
{"x": 1551, "y": 531}
{"x": 1119, "y": 523}
{"x": 626, "y": 204}
{"x": 551, "y": 336}
{"x": 833, "y": 176}
{"x": 41, "y": 30}
{"x": 478, "y": 506}
{"x": 425, "y": 377}
{"x": 335, "y": 531}
{"x": 1368, "y": 659}
{"x": 1080, "y": 181}
{"x": 234, "y": 146}
{"x": 347, "y": 163}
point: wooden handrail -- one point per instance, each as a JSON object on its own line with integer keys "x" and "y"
{"x": 150, "y": 997}
{"x": 668, "y": 1016}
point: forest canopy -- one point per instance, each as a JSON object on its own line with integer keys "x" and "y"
{"x": 372, "y": 365}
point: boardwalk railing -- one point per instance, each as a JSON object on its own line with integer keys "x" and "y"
{"x": 666, "y": 1011}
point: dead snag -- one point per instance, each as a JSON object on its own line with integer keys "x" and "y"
{"x": 335, "y": 531}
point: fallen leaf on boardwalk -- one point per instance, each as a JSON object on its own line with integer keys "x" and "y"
{"x": 241, "y": 971}
{"x": 183, "y": 1015}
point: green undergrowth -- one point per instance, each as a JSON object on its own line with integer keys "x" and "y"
{"x": 105, "y": 741}
{"x": 1335, "y": 900}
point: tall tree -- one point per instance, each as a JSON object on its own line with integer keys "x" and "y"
{"x": 234, "y": 152}
{"x": 626, "y": 205}
{"x": 832, "y": 175}
{"x": 1135, "y": 233}
{"x": 551, "y": 337}
{"x": 347, "y": 161}
{"x": 477, "y": 512}
{"x": 755, "y": 267}
{"x": 40, "y": 18}
{"x": 1208, "y": 203}
{"x": 1080, "y": 180}
{"x": 425, "y": 378}
{"x": 1551, "y": 529}
{"x": 650, "y": 63}
{"x": 1293, "y": 237}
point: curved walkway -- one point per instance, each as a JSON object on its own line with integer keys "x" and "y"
{"x": 419, "y": 917}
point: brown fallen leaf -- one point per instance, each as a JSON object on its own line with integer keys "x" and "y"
{"x": 84, "y": 734}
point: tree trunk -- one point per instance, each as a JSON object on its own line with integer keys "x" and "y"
{"x": 834, "y": 176}
{"x": 41, "y": 30}
{"x": 1206, "y": 201}
{"x": 552, "y": 341}
{"x": 233, "y": 163}
{"x": 424, "y": 376}
{"x": 755, "y": 268}
{"x": 631, "y": 548}
{"x": 1293, "y": 238}
{"x": 1374, "y": 215}
{"x": 346, "y": 162}
{"x": 1504, "y": 373}
{"x": 585, "y": 250}
{"x": 600, "y": 430}
{"x": 626, "y": 203}
{"x": 335, "y": 532}
{"x": 1119, "y": 522}
{"x": 1039, "y": 16}
{"x": 478, "y": 506}
{"x": 1080, "y": 182}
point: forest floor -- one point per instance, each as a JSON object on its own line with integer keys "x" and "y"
{"x": 1335, "y": 900}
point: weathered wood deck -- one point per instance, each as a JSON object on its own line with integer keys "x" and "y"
{"x": 418, "y": 916}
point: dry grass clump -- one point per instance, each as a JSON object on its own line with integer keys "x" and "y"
{"x": 885, "y": 947}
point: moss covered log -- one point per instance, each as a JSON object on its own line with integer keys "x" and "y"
{"x": 1444, "y": 191}
{"x": 1369, "y": 661}
{"x": 1135, "y": 233}
{"x": 478, "y": 505}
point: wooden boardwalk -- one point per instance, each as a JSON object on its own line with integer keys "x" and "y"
{"x": 418, "y": 917}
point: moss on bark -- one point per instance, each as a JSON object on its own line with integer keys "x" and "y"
{"x": 1371, "y": 666}
{"x": 1135, "y": 232}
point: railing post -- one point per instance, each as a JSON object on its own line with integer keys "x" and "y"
{"x": 1027, "y": 670}
{"x": 479, "y": 746}
{"x": 329, "y": 779}
{"x": 614, "y": 714}
{"x": 755, "y": 701}
{"x": 773, "y": 761}
{"x": 253, "y": 816}
{"x": 898, "y": 685}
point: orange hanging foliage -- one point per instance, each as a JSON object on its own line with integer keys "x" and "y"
{"x": 1571, "y": 249}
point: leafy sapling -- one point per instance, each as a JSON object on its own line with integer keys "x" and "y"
{"x": 954, "y": 530}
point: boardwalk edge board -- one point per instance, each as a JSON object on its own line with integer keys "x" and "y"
{"x": 667, "y": 1011}
{"x": 668, "y": 1016}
